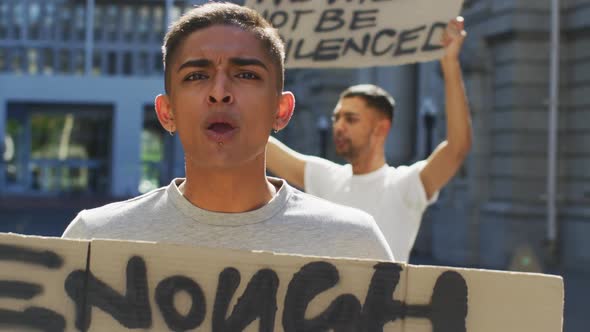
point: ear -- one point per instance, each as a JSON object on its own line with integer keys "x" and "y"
{"x": 382, "y": 127}
{"x": 164, "y": 113}
{"x": 286, "y": 107}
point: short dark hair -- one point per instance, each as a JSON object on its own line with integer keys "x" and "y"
{"x": 223, "y": 13}
{"x": 375, "y": 97}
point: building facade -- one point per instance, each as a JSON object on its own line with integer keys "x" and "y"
{"x": 77, "y": 84}
{"x": 496, "y": 208}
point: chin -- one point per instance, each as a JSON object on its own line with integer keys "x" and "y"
{"x": 342, "y": 153}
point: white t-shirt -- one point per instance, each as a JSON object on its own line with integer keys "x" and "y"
{"x": 293, "y": 222}
{"x": 395, "y": 197}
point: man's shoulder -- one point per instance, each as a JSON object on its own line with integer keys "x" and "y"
{"x": 404, "y": 171}
{"x": 324, "y": 210}
{"x": 317, "y": 163}
{"x": 417, "y": 165}
{"x": 321, "y": 175}
{"x": 340, "y": 225}
{"x": 139, "y": 205}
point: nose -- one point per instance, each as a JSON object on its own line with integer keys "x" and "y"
{"x": 220, "y": 92}
{"x": 337, "y": 126}
{"x": 226, "y": 99}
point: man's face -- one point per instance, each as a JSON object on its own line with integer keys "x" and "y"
{"x": 223, "y": 97}
{"x": 353, "y": 123}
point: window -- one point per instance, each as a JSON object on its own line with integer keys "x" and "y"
{"x": 13, "y": 140}
{"x": 34, "y": 13}
{"x": 127, "y": 63}
{"x": 78, "y": 61}
{"x": 4, "y": 19}
{"x": 157, "y": 156}
{"x": 111, "y": 22}
{"x": 32, "y": 61}
{"x": 65, "y": 23}
{"x": 98, "y": 22}
{"x": 128, "y": 23}
{"x": 49, "y": 18}
{"x": 18, "y": 60}
{"x": 57, "y": 149}
{"x": 48, "y": 60}
{"x": 79, "y": 24}
{"x": 64, "y": 61}
{"x": 96, "y": 62}
{"x": 158, "y": 63}
{"x": 3, "y": 52}
{"x": 18, "y": 19}
{"x": 159, "y": 24}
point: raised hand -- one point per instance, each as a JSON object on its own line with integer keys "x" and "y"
{"x": 453, "y": 37}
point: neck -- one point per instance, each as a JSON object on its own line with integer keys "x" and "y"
{"x": 231, "y": 190}
{"x": 368, "y": 162}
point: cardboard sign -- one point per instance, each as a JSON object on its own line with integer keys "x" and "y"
{"x": 159, "y": 287}
{"x": 33, "y": 272}
{"x": 359, "y": 33}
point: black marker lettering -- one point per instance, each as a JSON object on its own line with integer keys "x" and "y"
{"x": 447, "y": 309}
{"x": 407, "y": 36}
{"x": 46, "y": 258}
{"x": 19, "y": 290}
{"x": 328, "y": 49}
{"x": 298, "y": 52}
{"x": 330, "y": 20}
{"x": 279, "y": 18}
{"x": 363, "y": 19}
{"x": 448, "y": 306}
{"x": 33, "y": 317}
{"x": 131, "y": 310}
{"x": 350, "y": 44}
{"x": 380, "y": 307}
{"x": 288, "y": 44}
{"x": 165, "y": 292}
{"x": 343, "y": 314}
{"x": 429, "y": 46}
{"x": 389, "y": 32}
{"x": 258, "y": 301}
{"x": 298, "y": 14}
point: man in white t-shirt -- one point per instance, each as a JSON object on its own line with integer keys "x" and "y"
{"x": 396, "y": 197}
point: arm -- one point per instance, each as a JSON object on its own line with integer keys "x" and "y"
{"x": 285, "y": 162}
{"x": 446, "y": 159}
{"x": 77, "y": 229}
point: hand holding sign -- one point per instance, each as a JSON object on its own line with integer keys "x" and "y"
{"x": 453, "y": 37}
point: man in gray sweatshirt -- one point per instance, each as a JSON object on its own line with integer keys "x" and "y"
{"x": 224, "y": 73}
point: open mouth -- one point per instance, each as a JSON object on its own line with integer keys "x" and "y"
{"x": 220, "y": 127}
{"x": 221, "y": 130}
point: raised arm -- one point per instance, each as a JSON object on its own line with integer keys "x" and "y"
{"x": 285, "y": 162}
{"x": 448, "y": 156}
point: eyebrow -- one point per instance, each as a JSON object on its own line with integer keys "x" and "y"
{"x": 248, "y": 62}
{"x": 203, "y": 63}
{"x": 200, "y": 63}
{"x": 348, "y": 113}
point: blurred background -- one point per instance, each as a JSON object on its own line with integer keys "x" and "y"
{"x": 78, "y": 130}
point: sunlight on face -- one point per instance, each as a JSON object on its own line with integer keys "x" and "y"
{"x": 223, "y": 96}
